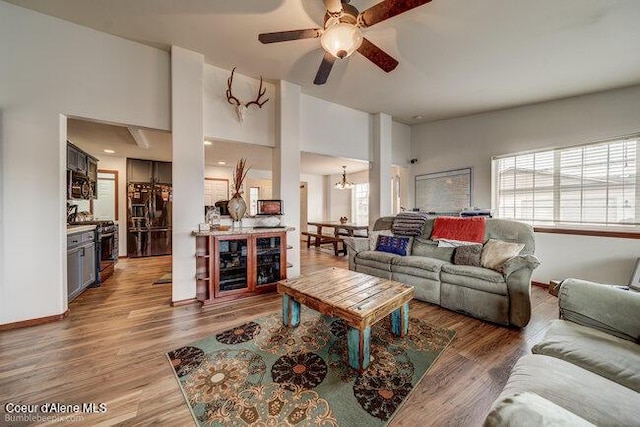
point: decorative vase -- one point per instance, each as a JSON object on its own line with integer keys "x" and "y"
{"x": 237, "y": 207}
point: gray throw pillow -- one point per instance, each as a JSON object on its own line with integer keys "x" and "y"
{"x": 468, "y": 255}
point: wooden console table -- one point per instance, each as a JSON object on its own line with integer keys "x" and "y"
{"x": 238, "y": 263}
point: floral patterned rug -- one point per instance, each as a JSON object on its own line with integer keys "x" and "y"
{"x": 264, "y": 373}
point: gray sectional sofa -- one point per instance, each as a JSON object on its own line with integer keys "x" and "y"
{"x": 500, "y": 297}
{"x": 586, "y": 370}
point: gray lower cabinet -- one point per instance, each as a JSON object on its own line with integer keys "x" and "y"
{"x": 74, "y": 269}
{"x": 81, "y": 262}
{"x": 88, "y": 255}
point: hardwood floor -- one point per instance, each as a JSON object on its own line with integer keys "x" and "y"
{"x": 112, "y": 349}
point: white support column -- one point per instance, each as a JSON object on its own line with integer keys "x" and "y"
{"x": 380, "y": 172}
{"x": 187, "y": 92}
{"x": 286, "y": 167}
{"x": 327, "y": 186}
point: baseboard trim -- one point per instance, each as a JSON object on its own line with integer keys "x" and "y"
{"x": 184, "y": 302}
{"x": 540, "y": 284}
{"x": 34, "y": 322}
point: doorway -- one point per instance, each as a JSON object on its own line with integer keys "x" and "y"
{"x": 105, "y": 207}
{"x": 111, "y": 206}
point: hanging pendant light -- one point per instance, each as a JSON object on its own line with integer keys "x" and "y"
{"x": 344, "y": 184}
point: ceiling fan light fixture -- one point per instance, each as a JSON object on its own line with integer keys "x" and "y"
{"x": 341, "y": 39}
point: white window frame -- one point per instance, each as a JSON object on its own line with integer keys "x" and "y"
{"x": 591, "y": 186}
{"x": 355, "y": 194}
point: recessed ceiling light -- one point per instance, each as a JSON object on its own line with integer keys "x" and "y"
{"x": 208, "y": 143}
{"x": 417, "y": 117}
{"x": 108, "y": 151}
{"x": 222, "y": 163}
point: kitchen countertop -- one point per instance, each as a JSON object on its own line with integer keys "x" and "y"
{"x": 72, "y": 229}
{"x": 243, "y": 230}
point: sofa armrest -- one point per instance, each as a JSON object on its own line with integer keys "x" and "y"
{"x": 521, "y": 261}
{"x": 517, "y": 273}
{"x": 604, "y": 307}
{"x": 529, "y": 409}
{"x": 355, "y": 245}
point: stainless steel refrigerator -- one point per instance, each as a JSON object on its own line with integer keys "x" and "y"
{"x": 149, "y": 219}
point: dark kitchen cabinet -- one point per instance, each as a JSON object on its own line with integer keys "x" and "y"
{"x": 139, "y": 170}
{"x": 82, "y": 163}
{"x": 72, "y": 157}
{"x": 148, "y": 171}
{"x": 82, "y": 174}
{"x": 162, "y": 172}
{"x": 92, "y": 169}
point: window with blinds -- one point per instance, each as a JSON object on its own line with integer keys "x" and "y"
{"x": 589, "y": 184}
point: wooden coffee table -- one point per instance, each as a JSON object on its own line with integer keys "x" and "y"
{"x": 359, "y": 299}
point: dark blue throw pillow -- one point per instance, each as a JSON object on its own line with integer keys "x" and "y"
{"x": 393, "y": 245}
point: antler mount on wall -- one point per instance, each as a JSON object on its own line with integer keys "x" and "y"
{"x": 240, "y": 107}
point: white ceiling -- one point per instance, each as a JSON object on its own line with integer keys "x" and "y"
{"x": 457, "y": 57}
{"x": 94, "y": 138}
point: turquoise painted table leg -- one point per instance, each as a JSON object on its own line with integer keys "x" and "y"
{"x": 358, "y": 343}
{"x": 400, "y": 320}
{"x": 290, "y": 311}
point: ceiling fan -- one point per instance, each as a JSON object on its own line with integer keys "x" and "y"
{"x": 342, "y": 34}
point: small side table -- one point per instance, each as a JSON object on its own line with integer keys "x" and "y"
{"x": 554, "y": 287}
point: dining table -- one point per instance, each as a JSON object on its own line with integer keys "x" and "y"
{"x": 341, "y": 228}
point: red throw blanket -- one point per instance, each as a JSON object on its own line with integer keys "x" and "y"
{"x": 458, "y": 228}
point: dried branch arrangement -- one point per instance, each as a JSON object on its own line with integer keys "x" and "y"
{"x": 240, "y": 174}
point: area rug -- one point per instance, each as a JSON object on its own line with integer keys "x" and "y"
{"x": 165, "y": 278}
{"x": 263, "y": 373}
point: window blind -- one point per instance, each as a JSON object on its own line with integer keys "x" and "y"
{"x": 588, "y": 184}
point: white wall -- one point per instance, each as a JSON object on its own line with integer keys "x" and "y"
{"x": 339, "y": 201}
{"x": 52, "y": 67}
{"x": 221, "y": 172}
{"x": 401, "y": 144}
{"x": 315, "y": 196}
{"x": 472, "y": 140}
{"x": 334, "y": 130}
{"x": 220, "y": 120}
{"x": 601, "y": 259}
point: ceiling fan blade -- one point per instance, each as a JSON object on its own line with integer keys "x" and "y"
{"x": 283, "y": 36}
{"x": 387, "y": 9}
{"x": 325, "y": 68}
{"x": 333, "y": 6}
{"x": 378, "y": 56}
